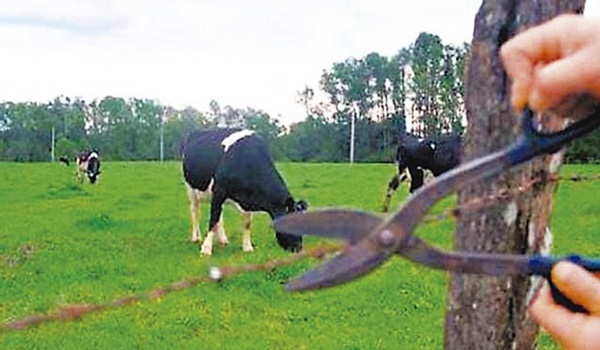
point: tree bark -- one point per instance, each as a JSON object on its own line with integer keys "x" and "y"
{"x": 487, "y": 312}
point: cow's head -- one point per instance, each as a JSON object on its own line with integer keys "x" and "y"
{"x": 292, "y": 242}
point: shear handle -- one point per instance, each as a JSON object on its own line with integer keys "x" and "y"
{"x": 542, "y": 266}
{"x": 500, "y": 265}
{"x": 504, "y": 265}
{"x": 532, "y": 143}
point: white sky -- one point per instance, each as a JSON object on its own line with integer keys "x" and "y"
{"x": 243, "y": 53}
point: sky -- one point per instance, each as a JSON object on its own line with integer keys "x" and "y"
{"x": 242, "y": 53}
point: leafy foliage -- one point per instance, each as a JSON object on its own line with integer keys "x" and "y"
{"x": 421, "y": 86}
{"x": 120, "y": 129}
{"x": 585, "y": 149}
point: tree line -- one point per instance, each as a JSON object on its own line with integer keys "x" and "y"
{"x": 420, "y": 89}
{"x": 121, "y": 129}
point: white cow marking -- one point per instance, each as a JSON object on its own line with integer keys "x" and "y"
{"x": 235, "y": 137}
{"x": 196, "y": 197}
{"x": 93, "y": 155}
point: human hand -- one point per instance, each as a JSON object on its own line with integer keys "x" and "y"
{"x": 552, "y": 61}
{"x": 572, "y": 330}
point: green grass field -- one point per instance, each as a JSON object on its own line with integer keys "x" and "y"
{"x": 63, "y": 243}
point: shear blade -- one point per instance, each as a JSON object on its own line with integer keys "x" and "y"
{"x": 356, "y": 261}
{"x": 349, "y": 225}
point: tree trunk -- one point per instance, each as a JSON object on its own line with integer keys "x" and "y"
{"x": 487, "y": 312}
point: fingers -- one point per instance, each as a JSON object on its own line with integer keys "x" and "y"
{"x": 571, "y": 330}
{"x": 579, "y": 285}
{"x": 548, "y": 314}
{"x": 522, "y": 53}
{"x": 561, "y": 323}
{"x": 519, "y": 68}
{"x": 551, "y": 61}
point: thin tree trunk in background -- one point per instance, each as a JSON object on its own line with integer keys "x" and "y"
{"x": 486, "y": 312}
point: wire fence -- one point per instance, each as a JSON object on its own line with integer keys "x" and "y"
{"x": 218, "y": 273}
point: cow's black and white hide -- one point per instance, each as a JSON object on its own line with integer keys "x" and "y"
{"x": 415, "y": 156}
{"x": 64, "y": 160}
{"x": 88, "y": 164}
{"x": 234, "y": 165}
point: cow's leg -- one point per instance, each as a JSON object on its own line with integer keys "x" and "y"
{"x": 195, "y": 213}
{"x": 221, "y": 235}
{"x": 428, "y": 176}
{"x": 392, "y": 187}
{"x": 416, "y": 178}
{"x": 82, "y": 170}
{"x": 79, "y": 174}
{"x": 216, "y": 208}
{"x": 246, "y": 240}
{"x": 246, "y": 221}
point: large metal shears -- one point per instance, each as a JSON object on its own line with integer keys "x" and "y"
{"x": 372, "y": 240}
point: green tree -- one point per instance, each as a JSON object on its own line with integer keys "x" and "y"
{"x": 262, "y": 123}
{"x": 451, "y": 90}
{"x": 312, "y": 140}
{"x": 427, "y": 67}
{"x": 119, "y": 140}
{"x": 178, "y": 124}
{"x": 397, "y": 75}
{"x": 585, "y": 149}
{"x": 147, "y": 115}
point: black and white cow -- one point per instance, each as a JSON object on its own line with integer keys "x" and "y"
{"x": 88, "y": 164}
{"x": 64, "y": 160}
{"x": 414, "y": 156}
{"x": 234, "y": 165}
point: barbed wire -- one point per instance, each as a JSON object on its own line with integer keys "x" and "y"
{"x": 218, "y": 273}
{"x": 215, "y": 274}
{"x": 579, "y": 178}
{"x": 492, "y": 199}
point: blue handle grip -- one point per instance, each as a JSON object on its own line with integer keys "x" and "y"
{"x": 542, "y": 266}
{"x": 532, "y": 143}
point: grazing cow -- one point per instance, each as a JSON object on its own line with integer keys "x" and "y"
{"x": 88, "y": 163}
{"x": 436, "y": 154}
{"x": 64, "y": 160}
{"x": 234, "y": 165}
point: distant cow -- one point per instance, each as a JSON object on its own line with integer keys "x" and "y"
{"x": 436, "y": 154}
{"x": 64, "y": 160}
{"x": 234, "y": 165}
{"x": 88, "y": 164}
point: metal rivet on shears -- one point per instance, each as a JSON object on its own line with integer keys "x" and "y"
{"x": 386, "y": 238}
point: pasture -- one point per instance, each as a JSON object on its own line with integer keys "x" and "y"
{"x": 63, "y": 243}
